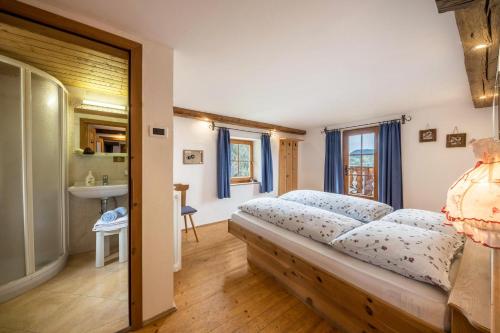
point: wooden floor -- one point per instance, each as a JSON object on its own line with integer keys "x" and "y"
{"x": 217, "y": 291}
{"x": 81, "y": 298}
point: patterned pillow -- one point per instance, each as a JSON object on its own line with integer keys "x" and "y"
{"x": 363, "y": 210}
{"x": 423, "y": 219}
{"x": 419, "y": 254}
{"x": 311, "y": 222}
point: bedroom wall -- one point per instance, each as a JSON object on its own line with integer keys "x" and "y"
{"x": 428, "y": 168}
{"x": 157, "y": 230}
{"x": 202, "y": 194}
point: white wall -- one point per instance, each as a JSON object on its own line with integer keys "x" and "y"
{"x": 428, "y": 168}
{"x": 157, "y": 96}
{"x": 202, "y": 179}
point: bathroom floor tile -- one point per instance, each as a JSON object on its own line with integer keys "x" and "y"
{"x": 81, "y": 298}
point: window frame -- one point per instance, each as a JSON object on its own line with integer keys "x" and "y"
{"x": 345, "y": 159}
{"x": 241, "y": 180}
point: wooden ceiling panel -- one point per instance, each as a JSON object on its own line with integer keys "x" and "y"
{"x": 72, "y": 64}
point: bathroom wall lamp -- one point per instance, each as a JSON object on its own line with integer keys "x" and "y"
{"x": 104, "y": 105}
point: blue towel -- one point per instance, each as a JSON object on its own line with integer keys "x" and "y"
{"x": 109, "y": 216}
{"x": 112, "y": 215}
{"x": 121, "y": 211}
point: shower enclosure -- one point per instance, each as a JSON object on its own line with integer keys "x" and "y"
{"x": 32, "y": 177}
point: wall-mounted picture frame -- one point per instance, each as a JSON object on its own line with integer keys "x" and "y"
{"x": 427, "y": 135}
{"x": 192, "y": 156}
{"x": 456, "y": 140}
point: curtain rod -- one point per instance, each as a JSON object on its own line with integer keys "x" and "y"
{"x": 213, "y": 127}
{"x": 404, "y": 119}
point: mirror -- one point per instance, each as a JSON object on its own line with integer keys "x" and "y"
{"x": 103, "y": 136}
{"x": 99, "y": 122}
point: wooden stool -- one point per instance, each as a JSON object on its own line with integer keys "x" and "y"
{"x": 186, "y": 210}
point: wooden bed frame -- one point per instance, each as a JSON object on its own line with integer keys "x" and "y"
{"x": 346, "y": 306}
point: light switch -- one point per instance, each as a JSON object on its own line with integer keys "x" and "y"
{"x": 158, "y": 131}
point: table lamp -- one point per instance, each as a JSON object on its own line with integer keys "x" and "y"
{"x": 473, "y": 208}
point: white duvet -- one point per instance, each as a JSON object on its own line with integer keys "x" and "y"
{"x": 361, "y": 209}
{"x": 318, "y": 224}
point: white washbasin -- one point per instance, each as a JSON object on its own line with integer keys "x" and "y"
{"x": 99, "y": 191}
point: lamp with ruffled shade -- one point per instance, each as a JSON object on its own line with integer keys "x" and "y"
{"x": 473, "y": 208}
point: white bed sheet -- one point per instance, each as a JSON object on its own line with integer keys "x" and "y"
{"x": 422, "y": 300}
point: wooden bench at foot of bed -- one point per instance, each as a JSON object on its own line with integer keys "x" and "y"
{"x": 352, "y": 309}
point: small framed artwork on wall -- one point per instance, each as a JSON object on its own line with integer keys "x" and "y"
{"x": 428, "y": 135}
{"x": 192, "y": 156}
{"x": 456, "y": 140}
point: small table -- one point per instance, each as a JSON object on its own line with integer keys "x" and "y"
{"x": 470, "y": 297}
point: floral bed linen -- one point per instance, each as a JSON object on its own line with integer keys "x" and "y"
{"x": 423, "y": 219}
{"x": 364, "y": 210}
{"x": 417, "y": 253}
{"x": 318, "y": 224}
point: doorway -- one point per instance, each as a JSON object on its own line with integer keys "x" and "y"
{"x": 33, "y": 20}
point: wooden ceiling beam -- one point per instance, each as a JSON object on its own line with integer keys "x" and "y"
{"x": 479, "y": 24}
{"x": 451, "y": 5}
{"x": 205, "y": 116}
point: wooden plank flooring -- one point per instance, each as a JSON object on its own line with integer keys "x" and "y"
{"x": 218, "y": 291}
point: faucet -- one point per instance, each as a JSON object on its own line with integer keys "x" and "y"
{"x": 105, "y": 180}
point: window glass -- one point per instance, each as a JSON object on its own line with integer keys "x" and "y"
{"x": 241, "y": 161}
{"x": 360, "y": 162}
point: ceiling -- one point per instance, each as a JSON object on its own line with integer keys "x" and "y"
{"x": 71, "y": 64}
{"x": 298, "y": 63}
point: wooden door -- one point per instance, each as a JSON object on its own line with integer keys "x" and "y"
{"x": 288, "y": 165}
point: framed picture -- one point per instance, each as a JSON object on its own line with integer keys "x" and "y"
{"x": 192, "y": 156}
{"x": 456, "y": 140}
{"x": 428, "y": 135}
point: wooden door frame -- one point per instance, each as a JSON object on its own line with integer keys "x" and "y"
{"x": 82, "y": 33}
{"x": 345, "y": 158}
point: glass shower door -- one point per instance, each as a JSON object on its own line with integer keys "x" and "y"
{"x": 46, "y": 147}
{"x": 12, "y": 245}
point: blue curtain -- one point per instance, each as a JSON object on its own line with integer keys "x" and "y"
{"x": 266, "y": 185}
{"x": 223, "y": 163}
{"x": 334, "y": 178}
{"x": 390, "y": 175}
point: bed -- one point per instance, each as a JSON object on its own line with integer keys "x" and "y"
{"x": 354, "y": 295}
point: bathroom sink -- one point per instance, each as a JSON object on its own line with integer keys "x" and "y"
{"x": 99, "y": 191}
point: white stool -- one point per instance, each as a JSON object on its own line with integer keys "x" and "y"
{"x": 102, "y": 245}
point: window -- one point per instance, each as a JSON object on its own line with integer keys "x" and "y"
{"x": 360, "y": 149}
{"x": 241, "y": 161}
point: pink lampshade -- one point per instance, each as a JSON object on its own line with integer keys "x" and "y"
{"x": 473, "y": 201}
